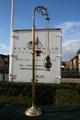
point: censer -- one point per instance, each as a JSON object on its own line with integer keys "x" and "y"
{"x": 38, "y": 50}
{"x": 47, "y": 61}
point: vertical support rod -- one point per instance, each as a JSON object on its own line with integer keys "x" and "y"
{"x": 11, "y": 40}
{"x": 48, "y": 48}
{"x": 34, "y": 111}
{"x": 12, "y": 16}
{"x": 33, "y": 60}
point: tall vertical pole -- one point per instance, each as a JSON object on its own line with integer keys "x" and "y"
{"x": 47, "y": 19}
{"x": 33, "y": 110}
{"x": 12, "y": 16}
{"x": 11, "y": 40}
{"x": 33, "y": 60}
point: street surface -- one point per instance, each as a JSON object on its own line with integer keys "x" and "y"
{"x": 16, "y": 112}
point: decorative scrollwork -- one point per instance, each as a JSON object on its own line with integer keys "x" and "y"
{"x": 41, "y": 10}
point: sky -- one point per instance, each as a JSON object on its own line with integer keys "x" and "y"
{"x": 63, "y": 14}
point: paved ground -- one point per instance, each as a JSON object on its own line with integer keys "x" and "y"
{"x": 70, "y": 80}
{"x": 16, "y": 112}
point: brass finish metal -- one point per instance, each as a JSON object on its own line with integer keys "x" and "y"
{"x": 33, "y": 111}
{"x": 38, "y": 52}
{"x": 48, "y": 63}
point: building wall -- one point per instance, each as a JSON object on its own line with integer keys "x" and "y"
{"x": 75, "y": 63}
{"x": 4, "y": 67}
{"x": 4, "y": 77}
{"x": 79, "y": 62}
{"x": 71, "y": 64}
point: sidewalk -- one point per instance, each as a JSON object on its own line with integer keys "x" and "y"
{"x": 16, "y": 112}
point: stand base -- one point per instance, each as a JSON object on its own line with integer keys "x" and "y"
{"x": 33, "y": 111}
